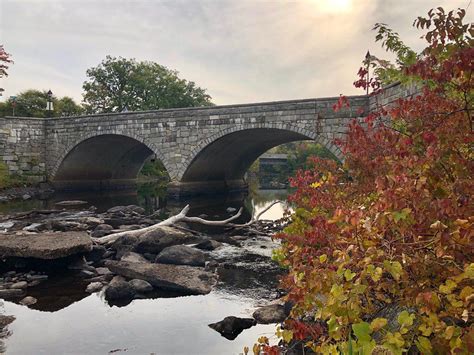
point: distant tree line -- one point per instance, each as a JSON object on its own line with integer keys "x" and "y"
{"x": 115, "y": 85}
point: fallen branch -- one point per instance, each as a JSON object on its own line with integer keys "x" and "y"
{"x": 255, "y": 219}
{"x": 180, "y": 217}
{"x": 167, "y": 222}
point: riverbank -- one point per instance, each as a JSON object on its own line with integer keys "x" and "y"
{"x": 219, "y": 265}
{"x": 39, "y": 191}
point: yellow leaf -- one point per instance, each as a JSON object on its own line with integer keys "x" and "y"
{"x": 448, "y": 287}
{"x": 448, "y": 333}
{"x": 378, "y": 323}
{"x": 323, "y": 258}
{"x": 287, "y": 335}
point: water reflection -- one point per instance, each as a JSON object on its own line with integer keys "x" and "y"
{"x": 66, "y": 320}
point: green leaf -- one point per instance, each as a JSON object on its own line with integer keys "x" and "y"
{"x": 424, "y": 345}
{"x": 362, "y": 331}
{"x": 394, "y": 268}
{"x": 448, "y": 287}
{"x": 348, "y": 275}
{"x": 405, "y": 319}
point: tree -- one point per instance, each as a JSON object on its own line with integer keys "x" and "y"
{"x": 119, "y": 84}
{"x": 5, "y": 59}
{"x": 392, "y": 231}
{"x": 32, "y": 103}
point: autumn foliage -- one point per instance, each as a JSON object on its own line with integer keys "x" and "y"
{"x": 392, "y": 228}
{"x": 4, "y": 61}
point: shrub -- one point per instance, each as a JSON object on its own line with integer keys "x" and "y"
{"x": 394, "y": 227}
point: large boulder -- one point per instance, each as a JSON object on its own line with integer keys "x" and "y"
{"x": 156, "y": 240}
{"x": 141, "y": 286}
{"x": 180, "y": 278}
{"x": 44, "y": 245}
{"x": 181, "y": 255}
{"x": 232, "y": 326}
{"x": 273, "y": 313}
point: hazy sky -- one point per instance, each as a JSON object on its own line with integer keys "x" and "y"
{"x": 241, "y": 51}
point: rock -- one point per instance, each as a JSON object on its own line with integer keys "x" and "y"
{"x": 96, "y": 254}
{"x": 141, "y": 286}
{"x": 94, "y": 287}
{"x": 231, "y": 327}
{"x": 5, "y": 320}
{"x": 126, "y": 209}
{"x": 7, "y": 225}
{"x": 208, "y": 244}
{"x": 119, "y": 289}
{"x": 26, "y": 196}
{"x": 132, "y": 257}
{"x": 274, "y": 313}
{"x": 181, "y": 255}
{"x": 44, "y": 245}
{"x": 211, "y": 265}
{"x": 186, "y": 279}
{"x": 35, "y": 227}
{"x": 11, "y": 293}
{"x": 28, "y": 301}
{"x": 103, "y": 271}
{"x": 101, "y": 230}
{"x": 36, "y": 277}
{"x": 155, "y": 241}
{"x": 98, "y": 233}
{"x": 65, "y": 226}
{"x": 71, "y": 203}
{"x": 124, "y": 244}
{"x": 149, "y": 256}
{"x": 91, "y": 221}
{"x": 20, "y": 285}
{"x": 104, "y": 227}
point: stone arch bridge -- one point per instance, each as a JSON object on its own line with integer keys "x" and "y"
{"x": 203, "y": 149}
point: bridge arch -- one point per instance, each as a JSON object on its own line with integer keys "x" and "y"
{"x": 109, "y": 158}
{"x": 227, "y": 154}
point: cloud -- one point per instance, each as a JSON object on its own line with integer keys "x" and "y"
{"x": 241, "y": 51}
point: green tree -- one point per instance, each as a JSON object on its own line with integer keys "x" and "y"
{"x": 32, "y": 103}
{"x": 119, "y": 84}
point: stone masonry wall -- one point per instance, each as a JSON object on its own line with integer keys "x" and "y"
{"x": 22, "y": 147}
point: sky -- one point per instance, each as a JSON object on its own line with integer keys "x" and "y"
{"x": 241, "y": 51}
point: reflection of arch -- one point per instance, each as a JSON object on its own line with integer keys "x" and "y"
{"x": 103, "y": 157}
{"x": 226, "y": 155}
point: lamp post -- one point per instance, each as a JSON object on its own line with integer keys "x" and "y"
{"x": 49, "y": 104}
{"x": 13, "y": 101}
{"x": 367, "y": 61}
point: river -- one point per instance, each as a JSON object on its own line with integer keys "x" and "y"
{"x": 66, "y": 320}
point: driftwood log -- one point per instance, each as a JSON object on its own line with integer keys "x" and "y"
{"x": 182, "y": 217}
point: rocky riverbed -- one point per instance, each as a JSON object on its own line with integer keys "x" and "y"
{"x": 170, "y": 261}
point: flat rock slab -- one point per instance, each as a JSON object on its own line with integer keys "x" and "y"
{"x": 181, "y": 278}
{"x": 44, "y": 245}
